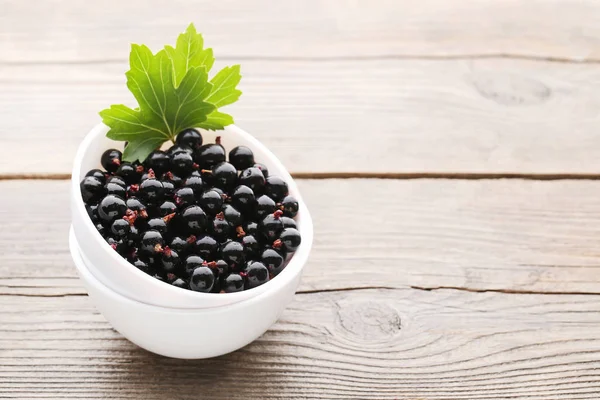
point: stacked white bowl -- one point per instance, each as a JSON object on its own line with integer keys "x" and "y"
{"x": 165, "y": 319}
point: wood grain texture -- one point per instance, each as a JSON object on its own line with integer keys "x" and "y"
{"x": 494, "y": 235}
{"x": 69, "y": 31}
{"x": 382, "y": 116}
{"x": 362, "y": 344}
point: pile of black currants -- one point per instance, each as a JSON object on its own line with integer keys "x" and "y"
{"x": 191, "y": 219}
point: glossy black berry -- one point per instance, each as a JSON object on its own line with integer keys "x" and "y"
{"x": 209, "y": 155}
{"x": 152, "y": 243}
{"x": 290, "y": 239}
{"x": 111, "y": 207}
{"x": 101, "y": 229}
{"x": 134, "y": 236}
{"x": 195, "y": 219}
{"x": 276, "y": 188}
{"x": 92, "y": 212}
{"x": 241, "y": 157}
{"x": 135, "y": 204}
{"x": 232, "y": 283}
{"x": 221, "y": 229}
{"x": 265, "y": 206}
{"x": 92, "y": 189}
{"x": 128, "y": 172}
{"x": 152, "y": 191}
{"x": 115, "y": 189}
{"x": 224, "y": 175}
{"x": 256, "y": 274}
{"x": 243, "y": 198}
{"x": 263, "y": 168}
{"x": 170, "y": 260}
{"x": 180, "y": 244}
{"x": 288, "y": 223}
{"x": 196, "y": 184}
{"x": 177, "y": 149}
{"x": 222, "y": 268}
{"x": 232, "y": 215}
{"x": 190, "y": 138}
{"x": 191, "y": 263}
{"x": 182, "y": 163}
{"x": 158, "y": 224}
{"x": 171, "y": 177}
{"x": 211, "y": 201}
{"x": 202, "y": 280}
{"x": 141, "y": 265}
{"x": 111, "y": 160}
{"x": 254, "y": 179}
{"x": 118, "y": 180}
{"x": 98, "y": 174}
{"x": 271, "y": 225}
{"x": 252, "y": 247}
{"x": 273, "y": 260}
{"x": 289, "y": 206}
{"x": 206, "y": 247}
{"x": 251, "y": 228}
{"x": 233, "y": 253}
{"x": 184, "y": 197}
{"x": 120, "y": 228}
{"x": 180, "y": 283}
{"x": 159, "y": 161}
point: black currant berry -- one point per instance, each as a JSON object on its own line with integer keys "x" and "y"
{"x": 134, "y": 204}
{"x": 111, "y": 160}
{"x": 224, "y": 175}
{"x": 120, "y": 228}
{"x": 180, "y": 244}
{"x": 191, "y": 263}
{"x": 251, "y": 228}
{"x": 233, "y": 253}
{"x": 290, "y": 238}
{"x": 289, "y": 206}
{"x": 180, "y": 283}
{"x": 256, "y": 274}
{"x": 195, "y": 219}
{"x": 252, "y": 247}
{"x": 243, "y": 198}
{"x": 206, "y": 247}
{"x": 196, "y": 184}
{"x": 152, "y": 190}
{"x": 184, "y": 197}
{"x": 273, "y": 260}
{"x": 263, "y": 168}
{"x": 111, "y": 207}
{"x": 98, "y": 174}
{"x": 118, "y": 180}
{"x": 232, "y": 215}
{"x": 141, "y": 265}
{"x": 170, "y": 260}
{"x": 128, "y": 172}
{"x": 158, "y": 224}
{"x": 115, "y": 189}
{"x": 190, "y": 138}
{"x": 288, "y": 223}
{"x": 152, "y": 243}
{"x": 92, "y": 189}
{"x": 232, "y": 283}
{"x": 202, "y": 280}
{"x": 276, "y": 188}
{"x": 177, "y": 149}
{"x": 182, "y": 163}
{"x": 158, "y": 161}
{"x": 254, "y": 179}
{"x": 264, "y": 206}
{"x": 211, "y": 201}
{"x": 271, "y": 226}
{"x": 209, "y": 155}
{"x": 241, "y": 157}
{"x": 220, "y": 227}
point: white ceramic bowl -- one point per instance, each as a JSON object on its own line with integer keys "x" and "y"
{"x": 186, "y": 333}
{"x": 115, "y": 272}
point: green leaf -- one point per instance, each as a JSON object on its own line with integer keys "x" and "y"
{"x": 216, "y": 120}
{"x": 188, "y": 53}
{"x": 173, "y": 93}
{"x": 164, "y": 110}
{"x": 224, "y": 89}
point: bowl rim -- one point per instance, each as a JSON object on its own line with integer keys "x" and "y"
{"x": 91, "y": 279}
{"x": 293, "y": 268}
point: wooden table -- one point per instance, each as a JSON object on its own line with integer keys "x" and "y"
{"x": 449, "y": 153}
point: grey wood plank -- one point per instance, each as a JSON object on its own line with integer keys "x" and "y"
{"x": 386, "y": 116}
{"x": 363, "y": 344}
{"x": 70, "y": 31}
{"x": 498, "y": 235}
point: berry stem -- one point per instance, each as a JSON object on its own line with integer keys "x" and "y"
{"x": 277, "y": 244}
{"x": 240, "y": 231}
